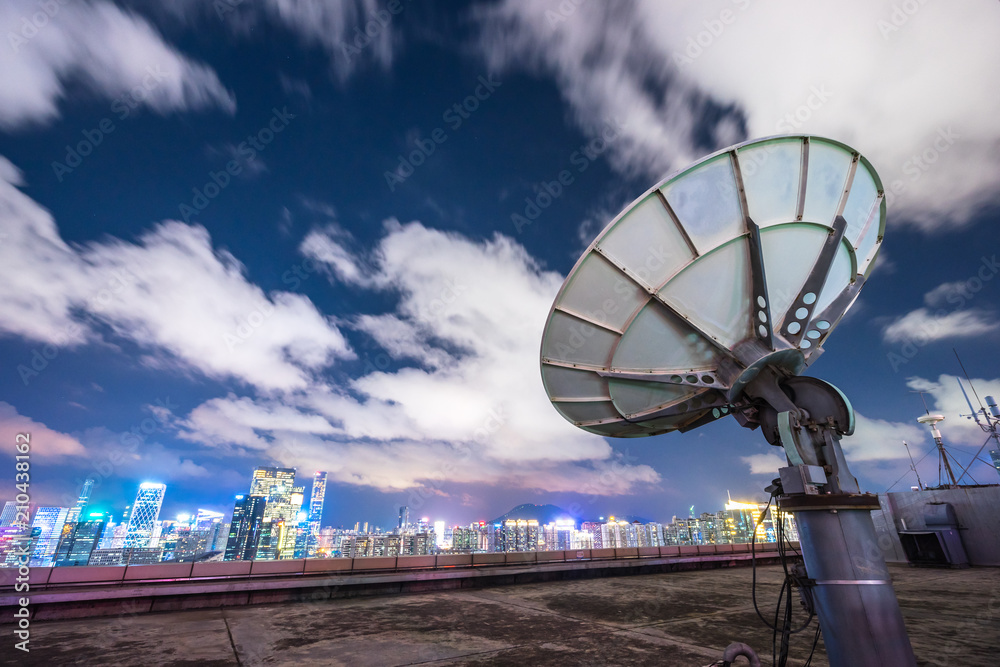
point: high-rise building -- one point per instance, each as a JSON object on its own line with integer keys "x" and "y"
{"x": 316, "y": 501}
{"x": 46, "y": 529}
{"x": 80, "y": 508}
{"x": 204, "y": 519}
{"x": 9, "y": 514}
{"x": 81, "y": 540}
{"x": 516, "y": 535}
{"x": 315, "y": 512}
{"x": 143, "y": 527}
{"x": 404, "y": 518}
{"x": 246, "y": 528}
{"x": 284, "y": 501}
{"x": 415, "y": 544}
{"x": 439, "y": 540}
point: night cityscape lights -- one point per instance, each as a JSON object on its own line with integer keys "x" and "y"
{"x": 272, "y": 522}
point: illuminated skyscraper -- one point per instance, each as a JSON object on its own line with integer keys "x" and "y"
{"x": 516, "y": 535}
{"x": 81, "y": 540}
{"x": 142, "y": 521}
{"x": 246, "y": 527}
{"x": 315, "y": 511}
{"x": 284, "y": 500}
{"x": 205, "y": 519}
{"x": 439, "y": 534}
{"x": 45, "y": 532}
{"x": 79, "y": 509}
{"x": 316, "y": 501}
{"x": 9, "y": 514}
{"x": 404, "y": 518}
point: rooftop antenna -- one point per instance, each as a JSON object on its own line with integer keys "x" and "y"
{"x": 943, "y": 463}
{"x": 989, "y": 424}
{"x": 922, "y": 400}
{"x": 708, "y": 296}
{"x": 913, "y": 467}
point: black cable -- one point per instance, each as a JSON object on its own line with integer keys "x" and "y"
{"x": 753, "y": 564}
{"x": 815, "y": 643}
{"x": 784, "y": 594}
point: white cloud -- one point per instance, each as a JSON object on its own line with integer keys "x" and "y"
{"x": 900, "y": 96}
{"x": 44, "y": 442}
{"x": 184, "y": 303}
{"x": 354, "y": 33}
{"x": 232, "y": 420}
{"x": 880, "y": 440}
{"x": 923, "y": 325}
{"x": 473, "y": 411}
{"x": 41, "y": 272}
{"x": 946, "y": 293}
{"x": 97, "y": 46}
{"x": 326, "y": 248}
{"x": 340, "y": 27}
{"x": 765, "y": 464}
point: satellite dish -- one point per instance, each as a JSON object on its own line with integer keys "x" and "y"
{"x": 744, "y": 261}
{"x": 930, "y": 419}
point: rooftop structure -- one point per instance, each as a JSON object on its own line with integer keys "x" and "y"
{"x": 680, "y": 618}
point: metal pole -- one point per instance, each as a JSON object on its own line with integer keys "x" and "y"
{"x": 853, "y": 595}
{"x": 851, "y": 588}
{"x": 944, "y": 457}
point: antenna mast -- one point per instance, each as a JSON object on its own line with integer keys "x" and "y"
{"x": 943, "y": 463}
{"x": 913, "y": 467}
{"x": 990, "y": 417}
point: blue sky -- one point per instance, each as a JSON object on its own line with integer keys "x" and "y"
{"x": 239, "y": 233}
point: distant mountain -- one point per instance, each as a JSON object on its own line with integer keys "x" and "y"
{"x": 541, "y": 513}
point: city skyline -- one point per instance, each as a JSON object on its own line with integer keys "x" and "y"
{"x": 326, "y": 236}
{"x": 267, "y": 524}
{"x": 401, "y": 514}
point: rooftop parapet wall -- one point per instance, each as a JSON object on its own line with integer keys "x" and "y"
{"x": 69, "y": 592}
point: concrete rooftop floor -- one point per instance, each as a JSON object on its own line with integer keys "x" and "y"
{"x": 683, "y": 618}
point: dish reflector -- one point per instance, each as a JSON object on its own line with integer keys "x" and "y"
{"x": 746, "y": 259}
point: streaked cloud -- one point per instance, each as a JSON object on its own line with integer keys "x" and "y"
{"x": 898, "y": 92}
{"x": 924, "y": 326}
{"x": 457, "y": 403}
{"x": 44, "y": 442}
{"x": 100, "y": 48}
{"x": 188, "y": 305}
